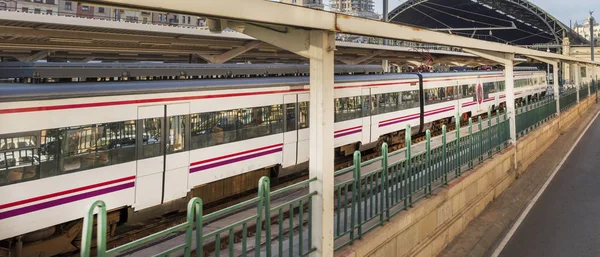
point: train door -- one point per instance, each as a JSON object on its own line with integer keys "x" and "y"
{"x": 163, "y": 159}
{"x": 366, "y": 119}
{"x": 290, "y": 135}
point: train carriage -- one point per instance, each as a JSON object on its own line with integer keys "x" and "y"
{"x": 143, "y": 144}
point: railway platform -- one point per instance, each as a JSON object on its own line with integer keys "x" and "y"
{"x": 557, "y": 225}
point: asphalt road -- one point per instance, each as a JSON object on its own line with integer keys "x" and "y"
{"x": 565, "y": 221}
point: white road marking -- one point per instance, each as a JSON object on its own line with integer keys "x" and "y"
{"x": 513, "y": 229}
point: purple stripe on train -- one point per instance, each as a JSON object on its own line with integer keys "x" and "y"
{"x": 234, "y": 160}
{"x": 416, "y": 117}
{"x": 348, "y": 133}
{"x": 66, "y": 200}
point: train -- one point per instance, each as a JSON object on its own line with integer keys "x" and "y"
{"x": 145, "y": 145}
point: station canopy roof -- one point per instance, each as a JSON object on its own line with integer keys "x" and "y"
{"x": 515, "y": 22}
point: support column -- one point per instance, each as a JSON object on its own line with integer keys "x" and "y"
{"x": 322, "y": 45}
{"x": 556, "y": 86}
{"x": 510, "y": 95}
{"x": 576, "y": 78}
{"x": 386, "y": 66}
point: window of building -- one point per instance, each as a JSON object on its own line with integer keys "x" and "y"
{"x": 189, "y": 20}
{"x": 101, "y": 9}
{"x": 38, "y": 1}
{"x": 85, "y": 8}
{"x": 182, "y": 19}
{"x": 49, "y": 12}
{"x": 24, "y": 9}
{"x": 50, "y": 2}
{"x": 37, "y": 10}
{"x": 160, "y": 17}
{"x": 68, "y": 5}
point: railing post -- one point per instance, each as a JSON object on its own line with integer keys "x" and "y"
{"x": 470, "y": 143}
{"x": 259, "y": 218}
{"x": 88, "y": 227}
{"x": 444, "y": 155}
{"x": 194, "y": 210}
{"x": 480, "y": 133}
{"x": 497, "y": 130}
{"x": 489, "y": 131}
{"x": 408, "y": 177}
{"x": 356, "y": 195}
{"x": 428, "y": 164}
{"x": 385, "y": 167}
{"x": 457, "y": 172}
{"x": 267, "y": 201}
{"x": 507, "y": 128}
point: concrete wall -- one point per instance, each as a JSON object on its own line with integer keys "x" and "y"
{"x": 432, "y": 223}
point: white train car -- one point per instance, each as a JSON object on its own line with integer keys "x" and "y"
{"x": 146, "y": 143}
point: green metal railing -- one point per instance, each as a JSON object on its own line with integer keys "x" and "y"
{"x": 194, "y": 211}
{"x": 568, "y": 99}
{"x": 366, "y": 195}
{"x": 247, "y": 231}
{"x": 532, "y": 114}
{"x": 583, "y": 91}
{"x": 396, "y": 180}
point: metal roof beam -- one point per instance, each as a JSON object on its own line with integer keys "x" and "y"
{"x": 362, "y": 58}
{"x": 299, "y": 17}
{"x": 34, "y": 57}
{"x": 224, "y": 57}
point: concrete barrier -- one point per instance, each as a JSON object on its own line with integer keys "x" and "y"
{"x": 432, "y": 223}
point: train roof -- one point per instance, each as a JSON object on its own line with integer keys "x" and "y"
{"x": 47, "y": 91}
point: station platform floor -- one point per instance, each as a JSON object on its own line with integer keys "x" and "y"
{"x": 563, "y": 221}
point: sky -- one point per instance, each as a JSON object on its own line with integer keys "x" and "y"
{"x": 564, "y": 10}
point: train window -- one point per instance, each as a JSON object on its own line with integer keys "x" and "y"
{"x": 19, "y": 159}
{"x": 388, "y": 102}
{"x": 303, "y": 115}
{"x": 123, "y": 141}
{"x": 438, "y": 95}
{"x": 468, "y": 91}
{"x": 410, "y": 99}
{"x": 215, "y": 128}
{"x": 151, "y": 138}
{"x": 176, "y": 134}
{"x": 290, "y": 117}
{"x": 200, "y": 129}
{"x": 499, "y": 86}
{"x": 49, "y": 152}
{"x": 451, "y": 93}
{"x": 349, "y": 108}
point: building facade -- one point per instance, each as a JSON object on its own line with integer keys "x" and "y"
{"x": 318, "y": 4}
{"x": 72, "y": 8}
{"x": 360, "y": 8}
{"x": 8, "y": 5}
{"x": 584, "y": 30}
{"x": 49, "y": 7}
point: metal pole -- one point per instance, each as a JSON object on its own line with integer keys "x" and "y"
{"x": 385, "y": 10}
{"x": 548, "y": 68}
{"x": 385, "y": 63}
{"x": 592, "y": 33}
